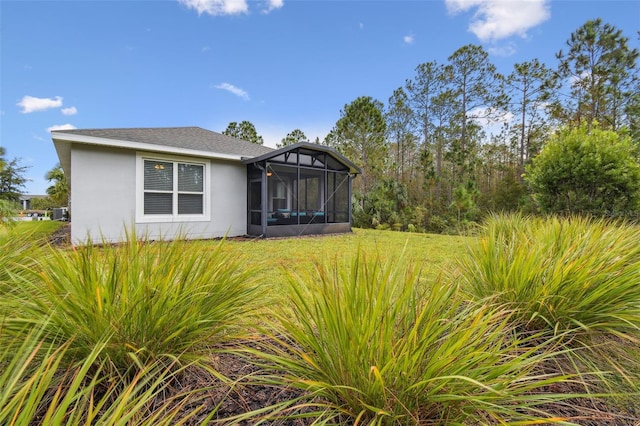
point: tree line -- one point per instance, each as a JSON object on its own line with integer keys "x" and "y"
{"x": 13, "y": 181}
{"x": 429, "y": 162}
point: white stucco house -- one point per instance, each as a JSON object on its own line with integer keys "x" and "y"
{"x": 200, "y": 184}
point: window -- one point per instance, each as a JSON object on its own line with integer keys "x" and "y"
{"x": 172, "y": 190}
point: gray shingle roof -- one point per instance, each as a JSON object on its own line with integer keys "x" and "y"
{"x": 194, "y": 138}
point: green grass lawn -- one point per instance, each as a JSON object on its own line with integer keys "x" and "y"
{"x": 274, "y": 257}
{"x": 35, "y": 229}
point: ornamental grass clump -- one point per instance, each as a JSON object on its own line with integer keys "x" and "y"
{"x": 563, "y": 275}
{"x": 145, "y": 301}
{"x": 373, "y": 343}
{"x": 38, "y": 386}
{"x": 17, "y": 253}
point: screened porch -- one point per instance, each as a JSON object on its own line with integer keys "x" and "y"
{"x": 301, "y": 189}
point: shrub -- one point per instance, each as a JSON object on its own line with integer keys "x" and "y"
{"x": 146, "y": 301}
{"x": 437, "y": 224}
{"x": 373, "y": 348}
{"x": 571, "y": 274}
{"x": 587, "y": 170}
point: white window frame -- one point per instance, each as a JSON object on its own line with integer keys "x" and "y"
{"x": 174, "y": 217}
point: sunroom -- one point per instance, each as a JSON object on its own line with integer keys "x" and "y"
{"x": 299, "y": 189}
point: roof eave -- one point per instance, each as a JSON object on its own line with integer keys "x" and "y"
{"x": 60, "y": 136}
{"x": 63, "y": 149}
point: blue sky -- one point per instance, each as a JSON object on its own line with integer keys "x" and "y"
{"x": 281, "y": 64}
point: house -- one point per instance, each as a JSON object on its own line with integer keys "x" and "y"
{"x": 200, "y": 184}
{"x": 25, "y": 200}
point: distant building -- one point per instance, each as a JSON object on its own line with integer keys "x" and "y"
{"x": 25, "y": 200}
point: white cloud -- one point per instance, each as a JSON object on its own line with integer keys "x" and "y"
{"x": 31, "y": 104}
{"x": 506, "y": 50}
{"x": 233, "y": 89}
{"x": 408, "y": 39}
{"x": 61, "y": 127}
{"x": 273, "y": 5}
{"x": 361, "y": 25}
{"x": 205, "y": 49}
{"x": 498, "y": 19}
{"x": 217, "y": 7}
{"x": 69, "y": 111}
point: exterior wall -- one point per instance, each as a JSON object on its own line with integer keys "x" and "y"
{"x": 103, "y": 199}
{"x": 102, "y": 193}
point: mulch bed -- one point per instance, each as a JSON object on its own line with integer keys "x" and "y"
{"x": 228, "y": 400}
{"x": 239, "y": 394}
{"x": 592, "y": 411}
{"x": 62, "y": 236}
{"x": 244, "y": 396}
